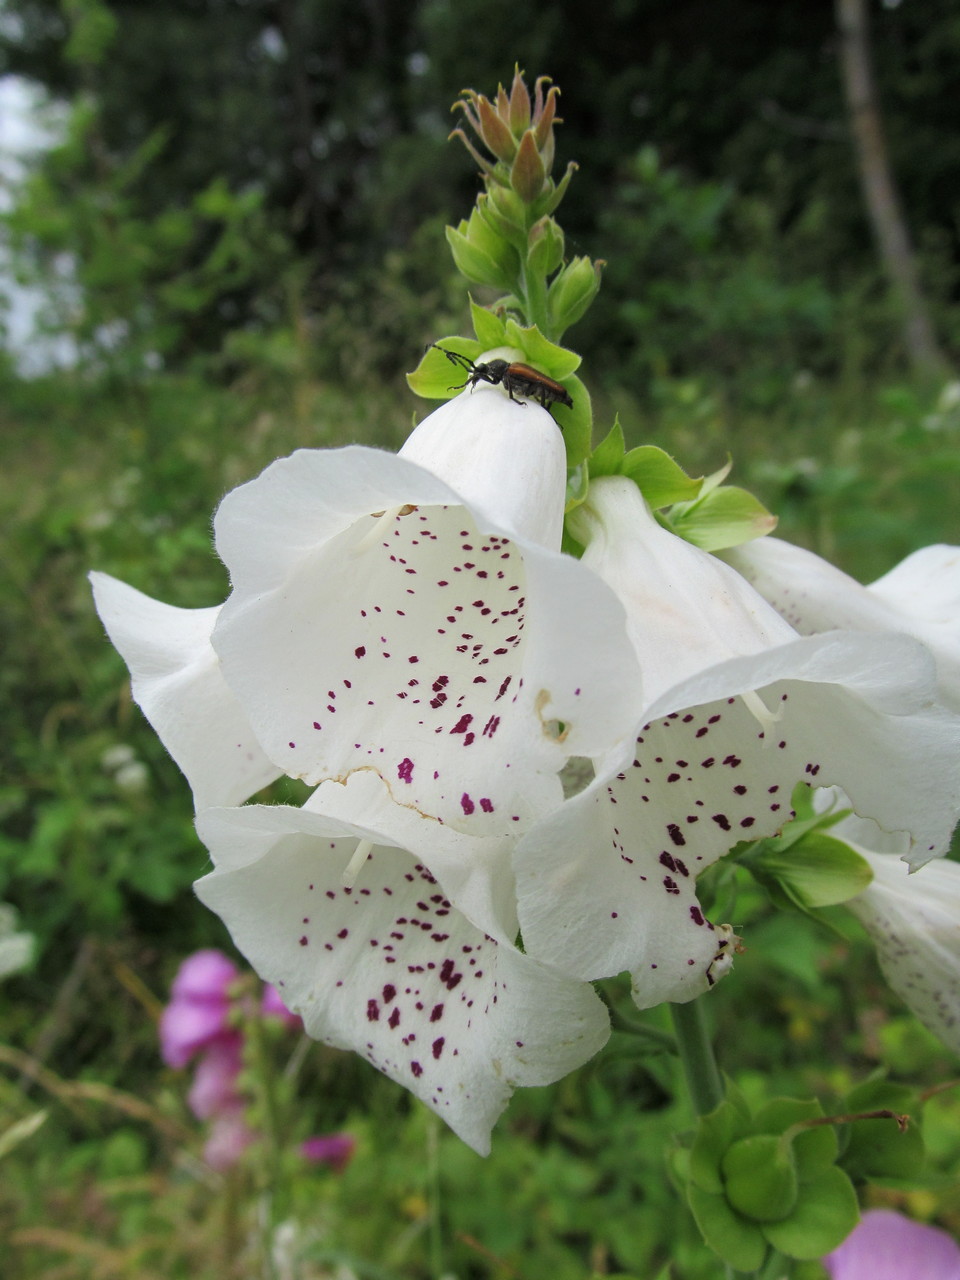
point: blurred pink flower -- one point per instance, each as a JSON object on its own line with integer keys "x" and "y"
{"x": 333, "y": 1149}
{"x": 199, "y": 1006}
{"x": 229, "y": 1137}
{"x": 214, "y": 1088}
{"x": 887, "y": 1246}
{"x": 272, "y": 1006}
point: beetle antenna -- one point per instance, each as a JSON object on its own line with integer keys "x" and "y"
{"x": 456, "y": 358}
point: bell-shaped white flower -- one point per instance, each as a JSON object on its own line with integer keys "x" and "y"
{"x": 175, "y": 679}
{"x": 920, "y": 597}
{"x": 388, "y": 966}
{"x": 914, "y": 922}
{"x": 409, "y": 615}
{"x": 738, "y": 709}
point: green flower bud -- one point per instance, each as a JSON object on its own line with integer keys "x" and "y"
{"x": 527, "y": 174}
{"x": 545, "y": 247}
{"x": 572, "y": 292}
{"x": 760, "y": 1177}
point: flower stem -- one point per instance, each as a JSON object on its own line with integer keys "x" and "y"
{"x": 696, "y": 1053}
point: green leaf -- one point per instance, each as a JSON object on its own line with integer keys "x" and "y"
{"x": 816, "y": 871}
{"x": 435, "y": 377}
{"x": 724, "y": 517}
{"x": 659, "y": 478}
{"x": 825, "y": 1214}
{"x": 738, "y": 1242}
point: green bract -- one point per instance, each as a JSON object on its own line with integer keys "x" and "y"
{"x": 804, "y": 867}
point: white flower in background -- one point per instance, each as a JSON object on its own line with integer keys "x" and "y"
{"x": 389, "y": 967}
{"x": 737, "y": 710}
{"x": 920, "y": 597}
{"x": 914, "y": 922}
{"x": 407, "y": 615}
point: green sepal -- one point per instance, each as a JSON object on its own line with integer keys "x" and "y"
{"x": 815, "y": 1148}
{"x": 780, "y": 1114}
{"x": 556, "y": 361}
{"x": 578, "y": 486}
{"x": 878, "y": 1149}
{"x": 824, "y": 1215}
{"x": 435, "y": 377}
{"x": 488, "y": 327}
{"x": 722, "y": 517}
{"x": 554, "y": 194}
{"x": 659, "y": 478}
{"x": 607, "y": 457}
{"x": 817, "y": 870}
{"x": 737, "y": 1241}
{"x": 760, "y": 1177}
{"x": 715, "y": 1133}
{"x": 576, "y": 423}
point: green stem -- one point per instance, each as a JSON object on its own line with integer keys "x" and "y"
{"x": 704, "y": 1082}
{"x": 696, "y": 1053}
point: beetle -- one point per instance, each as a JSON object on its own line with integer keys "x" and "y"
{"x": 521, "y": 379}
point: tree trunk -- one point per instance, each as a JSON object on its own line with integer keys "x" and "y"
{"x": 879, "y": 191}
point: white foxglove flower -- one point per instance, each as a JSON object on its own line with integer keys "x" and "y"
{"x": 409, "y": 615}
{"x": 914, "y": 922}
{"x": 389, "y": 967}
{"x": 738, "y": 709}
{"x": 920, "y": 597}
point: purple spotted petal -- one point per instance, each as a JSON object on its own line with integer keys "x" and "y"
{"x": 914, "y": 920}
{"x": 462, "y": 664}
{"x": 920, "y": 597}
{"x": 176, "y": 680}
{"x": 686, "y": 610}
{"x": 887, "y": 1246}
{"x": 609, "y": 882}
{"x": 389, "y": 968}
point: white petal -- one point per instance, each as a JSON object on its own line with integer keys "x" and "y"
{"x": 608, "y": 882}
{"x": 176, "y": 680}
{"x": 920, "y": 597}
{"x": 914, "y": 921}
{"x": 686, "y": 610}
{"x": 504, "y": 458}
{"x": 390, "y": 969}
{"x": 462, "y": 665}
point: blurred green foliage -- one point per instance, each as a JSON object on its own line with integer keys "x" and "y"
{"x": 242, "y": 232}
